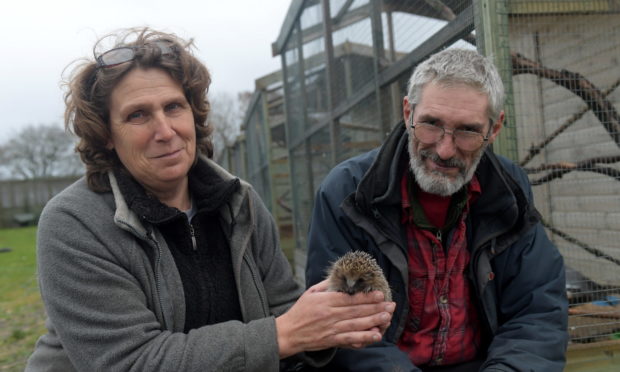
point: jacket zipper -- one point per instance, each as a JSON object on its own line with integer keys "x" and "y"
{"x": 157, "y": 277}
{"x": 193, "y": 235}
{"x": 254, "y": 278}
{"x": 476, "y": 283}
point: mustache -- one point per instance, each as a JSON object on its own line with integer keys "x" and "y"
{"x": 452, "y": 162}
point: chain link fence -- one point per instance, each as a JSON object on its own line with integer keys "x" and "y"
{"x": 345, "y": 64}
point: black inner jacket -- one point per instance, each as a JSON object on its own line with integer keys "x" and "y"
{"x": 203, "y": 260}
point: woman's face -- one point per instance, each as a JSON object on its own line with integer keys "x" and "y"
{"x": 152, "y": 129}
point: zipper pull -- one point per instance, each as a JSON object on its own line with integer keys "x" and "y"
{"x": 193, "y": 234}
{"x": 438, "y": 235}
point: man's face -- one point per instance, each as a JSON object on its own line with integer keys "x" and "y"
{"x": 443, "y": 168}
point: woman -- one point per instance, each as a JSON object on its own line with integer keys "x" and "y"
{"x": 158, "y": 259}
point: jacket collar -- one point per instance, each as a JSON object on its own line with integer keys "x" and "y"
{"x": 380, "y": 185}
{"x": 210, "y": 189}
{"x": 503, "y": 206}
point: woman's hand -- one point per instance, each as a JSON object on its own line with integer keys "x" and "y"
{"x": 321, "y": 319}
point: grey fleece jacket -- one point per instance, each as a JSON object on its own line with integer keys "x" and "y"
{"x": 114, "y": 297}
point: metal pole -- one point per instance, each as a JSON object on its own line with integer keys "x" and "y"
{"x": 330, "y": 79}
{"x": 491, "y": 20}
{"x": 379, "y": 54}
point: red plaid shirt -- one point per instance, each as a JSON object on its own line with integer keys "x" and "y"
{"x": 442, "y": 326}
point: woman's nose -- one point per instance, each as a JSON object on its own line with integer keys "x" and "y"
{"x": 164, "y": 129}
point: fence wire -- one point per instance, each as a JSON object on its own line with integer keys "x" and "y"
{"x": 345, "y": 64}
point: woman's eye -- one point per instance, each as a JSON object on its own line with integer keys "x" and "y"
{"x": 136, "y": 117}
{"x": 173, "y": 107}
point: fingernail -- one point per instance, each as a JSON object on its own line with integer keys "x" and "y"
{"x": 385, "y": 317}
{"x": 390, "y": 307}
{"x": 376, "y": 338}
{"x": 379, "y": 296}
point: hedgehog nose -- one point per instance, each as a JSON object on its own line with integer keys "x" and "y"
{"x": 350, "y": 282}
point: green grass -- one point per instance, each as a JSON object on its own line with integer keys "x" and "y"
{"x": 21, "y": 311}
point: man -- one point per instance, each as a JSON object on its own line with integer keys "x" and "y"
{"x": 477, "y": 283}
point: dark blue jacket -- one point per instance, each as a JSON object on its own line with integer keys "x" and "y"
{"x": 517, "y": 273}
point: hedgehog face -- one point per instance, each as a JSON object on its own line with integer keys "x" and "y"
{"x": 353, "y": 282}
{"x": 355, "y": 272}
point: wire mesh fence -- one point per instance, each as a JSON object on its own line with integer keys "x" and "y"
{"x": 345, "y": 64}
{"x": 565, "y": 59}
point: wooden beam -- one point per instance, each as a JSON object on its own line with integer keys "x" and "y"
{"x": 537, "y": 7}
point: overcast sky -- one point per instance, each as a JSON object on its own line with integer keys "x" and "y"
{"x": 39, "y": 38}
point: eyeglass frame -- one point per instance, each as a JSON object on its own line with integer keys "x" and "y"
{"x": 166, "y": 48}
{"x": 484, "y": 138}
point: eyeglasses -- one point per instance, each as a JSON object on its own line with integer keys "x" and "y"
{"x": 465, "y": 140}
{"x": 117, "y": 56}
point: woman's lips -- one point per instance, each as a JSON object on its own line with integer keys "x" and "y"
{"x": 168, "y": 155}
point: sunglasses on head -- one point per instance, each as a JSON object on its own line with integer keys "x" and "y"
{"x": 117, "y": 56}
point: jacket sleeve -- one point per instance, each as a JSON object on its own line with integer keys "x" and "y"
{"x": 281, "y": 288}
{"x": 331, "y": 235}
{"x": 532, "y": 305}
{"x": 532, "y": 308}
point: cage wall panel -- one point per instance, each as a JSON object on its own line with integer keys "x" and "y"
{"x": 580, "y": 198}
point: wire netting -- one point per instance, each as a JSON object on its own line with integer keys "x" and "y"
{"x": 345, "y": 66}
{"x": 565, "y": 59}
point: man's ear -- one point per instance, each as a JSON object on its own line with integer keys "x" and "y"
{"x": 497, "y": 126}
{"x": 406, "y": 110}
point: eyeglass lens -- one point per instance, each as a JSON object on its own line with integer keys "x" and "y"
{"x": 430, "y": 134}
{"x": 116, "y": 56}
{"x": 120, "y": 55}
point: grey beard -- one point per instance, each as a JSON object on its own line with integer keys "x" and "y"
{"x": 435, "y": 182}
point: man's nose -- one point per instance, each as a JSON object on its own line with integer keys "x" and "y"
{"x": 446, "y": 147}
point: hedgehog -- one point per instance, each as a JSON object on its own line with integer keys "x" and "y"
{"x": 357, "y": 271}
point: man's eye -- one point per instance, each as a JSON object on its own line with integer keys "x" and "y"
{"x": 470, "y": 130}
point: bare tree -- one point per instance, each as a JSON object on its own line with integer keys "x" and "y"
{"x": 226, "y": 116}
{"x": 39, "y": 151}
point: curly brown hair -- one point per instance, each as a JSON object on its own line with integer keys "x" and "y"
{"x": 90, "y": 85}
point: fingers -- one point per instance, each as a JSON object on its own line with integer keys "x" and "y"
{"x": 343, "y": 299}
{"x": 319, "y": 287}
{"x": 384, "y": 327}
{"x": 357, "y": 340}
{"x": 361, "y": 332}
{"x": 375, "y": 316}
{"x": 321, "y": 319}
{"x": 364, "y": 310}
{"x": 372, "y": 322}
